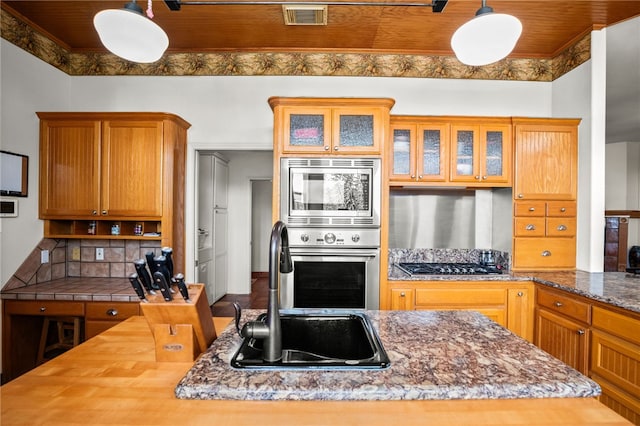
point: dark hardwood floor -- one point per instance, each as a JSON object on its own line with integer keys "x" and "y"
{"x": 256, "y": 300}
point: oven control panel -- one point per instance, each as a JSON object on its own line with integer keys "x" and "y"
{"x": 326, "y": 237}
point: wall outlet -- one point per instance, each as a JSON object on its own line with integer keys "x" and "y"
{"x": 75, "y": 253}
{"x": 99, "y": 253}
{"x": 44, "y": 256}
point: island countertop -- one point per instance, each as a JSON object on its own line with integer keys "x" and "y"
{"x": 113, "y": 378}
{"x": 434, "y": 355}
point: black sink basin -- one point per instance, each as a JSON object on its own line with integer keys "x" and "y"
{"x": 326, "y": 341}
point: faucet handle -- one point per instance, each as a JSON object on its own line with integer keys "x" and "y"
{"x": 238, "y": 314}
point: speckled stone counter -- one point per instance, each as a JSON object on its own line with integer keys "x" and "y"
{"x": 435, "y": 355}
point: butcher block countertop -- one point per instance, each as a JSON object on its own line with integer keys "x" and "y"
{"x": 113, "y": 378}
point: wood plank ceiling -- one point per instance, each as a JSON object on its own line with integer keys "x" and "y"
{"x": 548, "y": 26}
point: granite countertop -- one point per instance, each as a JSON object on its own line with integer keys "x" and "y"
{"x": 435, "y": 355}
{"x": 619, "y": 289}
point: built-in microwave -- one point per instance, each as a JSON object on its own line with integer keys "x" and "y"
{"x": 330, "y": 191}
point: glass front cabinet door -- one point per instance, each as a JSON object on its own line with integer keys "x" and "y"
{"x": 418, "y": 152}
{"x": 481, "y": 154}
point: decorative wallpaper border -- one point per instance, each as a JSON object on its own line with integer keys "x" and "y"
{"x": 291, "y": 64}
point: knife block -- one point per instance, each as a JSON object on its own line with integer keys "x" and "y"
{"x": 182, "y": 330}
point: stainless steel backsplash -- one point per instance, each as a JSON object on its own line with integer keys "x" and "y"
{"x": 450, "y": 219}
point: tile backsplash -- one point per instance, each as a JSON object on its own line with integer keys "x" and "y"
{"x": 77, "y": 258}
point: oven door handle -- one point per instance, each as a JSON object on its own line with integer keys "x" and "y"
{"x": 345, "y": 253}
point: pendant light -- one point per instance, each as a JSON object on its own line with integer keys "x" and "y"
{"x": 487, "y": 38}
{"x": 130, "y": 35}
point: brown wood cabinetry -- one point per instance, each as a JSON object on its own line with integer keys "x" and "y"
{"x": 101, "y": 316}
{"x": 22, "y": 322}
{"x": 103, "y": 169}
{"x": 481, "y": 153}
{"x": 562, "y": 327}
{"x": 306, "y": 126}
{"x": 545, "y": 186}
{"x": 445, "y": 151}
{"x": 615, "y": 361}
{"x": 510, "y": 304}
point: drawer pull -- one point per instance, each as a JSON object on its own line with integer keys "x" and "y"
{"x": 530, "y": 227}
{"x": 563, "y": 209}
{"x": 558, "y": 304}
{"x": 520, "y": 196}
{"x": 580, "y": 332}
{"x": 532, "y": 209}
{"x": 112, "y": 312}
{"x": 42, "y": 308}
{"x": 561, "y": 228}
{"x": 402, "y": 294}
{"x": 520, "y": 294}
{"x": 545, "y": 253}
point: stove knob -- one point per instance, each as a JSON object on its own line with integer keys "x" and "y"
{"x": 304, "y": 238}
{"x": 456, "y": 270}
{"x": 330, "y": 238}
{"x": 355, "y": 238}
{"x": 443, "y": 270}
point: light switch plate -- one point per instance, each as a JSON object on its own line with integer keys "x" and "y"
{"x": 75, "y": 253}
{"x": 44, "y": 256}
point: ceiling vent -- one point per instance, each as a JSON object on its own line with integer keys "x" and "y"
{"x": 305, "y": 14}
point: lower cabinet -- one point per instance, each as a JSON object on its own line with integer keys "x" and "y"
{"x": 23, "y": 320}
{"x": 615, "y": 361}
{"x": 510, "y": 304}
{"x": 101, "y": 316}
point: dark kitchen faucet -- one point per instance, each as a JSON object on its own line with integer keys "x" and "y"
{"x": 270, "y": 330}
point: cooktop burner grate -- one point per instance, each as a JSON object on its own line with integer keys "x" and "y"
{"x": 417, "y": 268}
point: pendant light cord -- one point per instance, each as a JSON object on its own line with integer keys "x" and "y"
{"x": 149, "y": 10}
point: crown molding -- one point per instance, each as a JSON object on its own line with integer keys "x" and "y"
{"x": 21, "y": 34}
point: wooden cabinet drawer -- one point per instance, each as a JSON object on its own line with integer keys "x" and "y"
{"x": 460, "y": 297}
{"x": 617, "y": 324}
{"x": 561, "y": 226}
{"x": 44, "y": 307}
{"x": 544, "y": 253}
{"x": 529, "y": 208}
{"x": 529, "y": 227}
{"x": 112, "y": 311}
{"x": 561, "y": 208}
{"x": 564, "y": 305}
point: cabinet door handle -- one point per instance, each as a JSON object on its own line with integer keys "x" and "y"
{"x": 402, "y": 294}
{"x": 580, "y": 332}
{"x": 561, "y": 228}
{"x": 563, "y": 209}
{"x": 477, "y": 177}
{"x": 520, "y": 196}
{"x": 530, "y": 227}
{"x": 337, "y": 148}
{"x": 104, "y": 212}
{"x": 545, "y": 253}
{"x": 420, "y": 177}
{"x": 520, "y": 294}
{"x": 532, "y": 209}
{"x": 558, "y": 304}
{"x": 94, "y": 212}
{"x": 42, "y": 308}
{"x": 326, "y": 148}
{"x": 484, "y": 178}
{"x": 112, "y": 312}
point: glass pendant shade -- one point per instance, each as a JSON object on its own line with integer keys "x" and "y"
{"x": 130, "y": 35}
{"x": 487, "y": 38}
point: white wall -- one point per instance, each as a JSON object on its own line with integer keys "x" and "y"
{"x": 622, "y": 183}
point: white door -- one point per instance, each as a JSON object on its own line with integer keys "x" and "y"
{"x": 204, "y": 224}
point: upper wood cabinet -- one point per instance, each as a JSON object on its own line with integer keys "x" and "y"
{"x": 99, "y": 169}
{"x": 330, "y": 125}
{"x": 481, "y": 154}
{"x": 546, "y": 159}
{"x": 418, "y": 151}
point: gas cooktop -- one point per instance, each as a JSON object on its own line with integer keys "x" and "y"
{"x": 448, "y": 268}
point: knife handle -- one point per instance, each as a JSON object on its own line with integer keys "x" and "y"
{"x": 161, "y": 266}
{"x": 144, "y": 275}
{"x": 160, "y": 280}
{"x": 150, "y": 262}
{"x": 133, "y": 278}
{"x": 184, "y": 291}
{"x": 167, "y": 252}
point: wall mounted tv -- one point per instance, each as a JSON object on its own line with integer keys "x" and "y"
{"x": 14, "y": 171}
